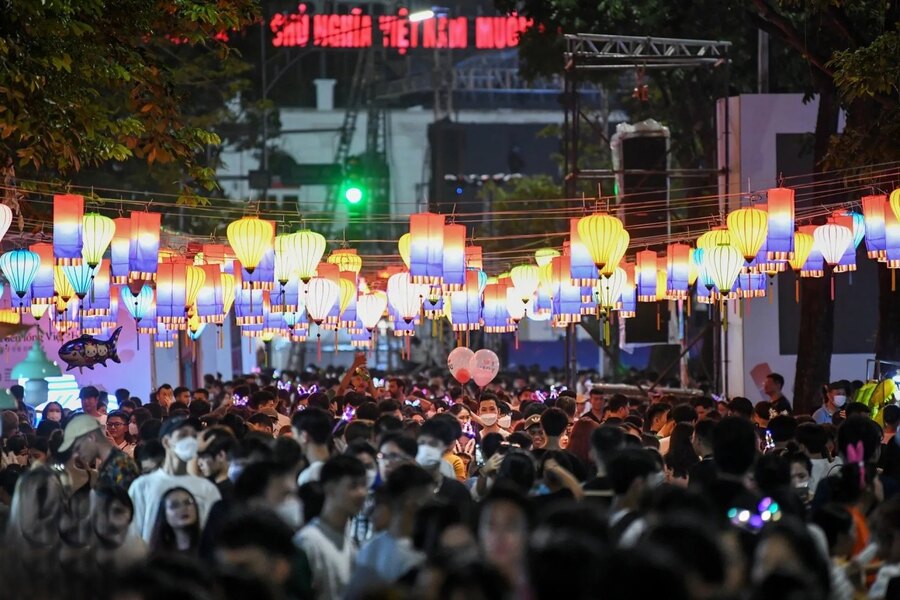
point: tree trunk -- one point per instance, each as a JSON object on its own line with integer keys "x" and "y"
{"x": 816, "y": 334}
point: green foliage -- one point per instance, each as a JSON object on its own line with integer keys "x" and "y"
{"x": 86, "y": 83}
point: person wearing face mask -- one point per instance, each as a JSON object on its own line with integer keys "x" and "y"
{"x": 835, "y": 399}
{"x": 435, "y": 437}
{"x": 52, "y": 412}
{"x": 489, "y": 415}
{"x": 179, "y": 439}
{"x": 84, "y": 436}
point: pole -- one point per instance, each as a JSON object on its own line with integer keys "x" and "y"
{"x": 264, "y": 161}
{"x": 762, "y": 62}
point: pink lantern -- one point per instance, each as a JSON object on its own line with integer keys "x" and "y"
{"x": 780, "y": 238}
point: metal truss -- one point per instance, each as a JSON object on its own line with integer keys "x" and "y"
{"x": 589, "y": 51}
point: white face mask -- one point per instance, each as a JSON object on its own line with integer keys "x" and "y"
{"x": 54, "y": 416}
{"x": 186, "y": 448}
{"x": 428, "y": 456}
{"x": 840, "y": 400}
{"x": 291, "y": 512}
{"x": 505, "y": 421}
{"x": 489, "y": 420}
{"x": 133, "y": 428}
{"x": 371, "y": 476}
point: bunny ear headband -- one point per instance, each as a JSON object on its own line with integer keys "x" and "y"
{"x": 856, "y": 454}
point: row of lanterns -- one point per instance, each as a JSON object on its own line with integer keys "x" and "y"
{"x": 280, "y": 284}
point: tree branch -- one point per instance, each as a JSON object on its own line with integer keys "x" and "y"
{"x": 768, "y": 19}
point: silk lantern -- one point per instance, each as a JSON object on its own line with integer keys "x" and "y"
{"x": 118, "y": 251}
{"x": 748, "y": 228}
{"x": 143, "y": 250}
{"x": 780, "y": 224}
{"x": 42, "y": 288}
{"x": 347, "y": 260}
{"x": 20, "y": 268}
{"x": 250, "y": 237}
{"x": 645, "y": 276}
{"x": 724, "y": 264}
{"x": 832, "y": 240}
{"x": 599, "y": 233}
{"x": 68, "y": 211}
{"x": 678, "y": 270}
{"x": 97, "y": 233}
{"x": 873, "y": 208}
{"x": 545, "y": 256}
{"x": 286, "y": 251}
{"x": 609, "y": 290}
{"x": 322, "y": 294}
{"x": 405, "y": 296}
{"x": 370, "y": 308}
{"x": 525, "y": 279}
{"x": 403, "y": 247}
{"x": 426, "y": 262}
{"x": 854, "y": 221}
{"x": 311, "y": 248}
{"x": 583, "y": 271}
{"x": 6, "y": 216}
{"x": 616, "y": 253}
{"x": 815, "y": 264}
{"x": 80, "y": 276}
{"x": 453, "y": 268}
{"x": 803, "y": 245}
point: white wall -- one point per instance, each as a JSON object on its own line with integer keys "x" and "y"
{"x": 753, "y": 342}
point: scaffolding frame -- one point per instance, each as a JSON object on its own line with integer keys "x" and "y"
{"x": 591, "y": 53}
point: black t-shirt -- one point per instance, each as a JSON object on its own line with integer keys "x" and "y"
{"x": 454, "y": 493}
{"x": 703, "y": 474}
{"x": 226, "y": 489}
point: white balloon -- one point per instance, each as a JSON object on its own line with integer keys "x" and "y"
{"x": 458, "y": 361}
{"x": 484, "y": 366}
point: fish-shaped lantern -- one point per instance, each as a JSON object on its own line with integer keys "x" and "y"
{"x": 87, "y": 351}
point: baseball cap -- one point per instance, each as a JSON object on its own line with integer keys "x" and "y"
{"x": 78, "y": 426}
{"x": 173, "y": 424}
{"x": 532, "y": 421}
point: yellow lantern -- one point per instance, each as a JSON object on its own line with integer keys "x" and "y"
{"x": 97, "y": 233}
{"x": 286, "y": 252}
{"x": 544, "y": 256}
{"x": 748, "y": 227}
{"x": 724, "y": 264}
{"x": 347, "y": 260}
{"x": 346, "y": 293}
{"x": 61, "y": 285}
{"x": 193, "y": 281}
{"x": 311, "y": 247}
{"x": 662, "y": 285}
{"x": 713, "y": 238}
{"x": 526, "y": 279}
{"x": 617, "y": 252}
{"x": 250, "y": 237}
{"x": 403, "y": 246}
{"x": 894, "y": 201}
{"x": 600, "y": 235}
{"x": 803, "y": 245}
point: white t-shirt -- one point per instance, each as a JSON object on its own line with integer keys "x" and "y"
{"x": 311, "y": 473}
{"x": 331, "y": 558}
{"x": 147, "y": 491}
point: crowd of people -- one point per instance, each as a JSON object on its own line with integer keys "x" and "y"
{"x": 295, "y": 487}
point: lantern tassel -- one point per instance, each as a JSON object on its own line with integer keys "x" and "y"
{"x": 658, "y": 324}
{"x": 408, "y": 355}
{"x": 832, "y": 287}
{"x": 724, "y": 312}
{"x": 606, "y": 332}
{"x": 221, "y": 337}
{"x": 893, "y": 280}
{"x": 335, "y": 342}
{"x": 797, "y": 289}
{"x": 434, "y": 328}
{"x": 319, "y": 348}
{"x": 137, "y": 334}
{"x": 516, "y": 334}
{"x": 688, "y": 302}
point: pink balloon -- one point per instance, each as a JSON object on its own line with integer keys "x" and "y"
{"x": 484, "y": 366}
{"x": 459, "y": 358}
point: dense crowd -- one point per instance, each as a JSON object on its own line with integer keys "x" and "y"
{"x": 316, "y": 487}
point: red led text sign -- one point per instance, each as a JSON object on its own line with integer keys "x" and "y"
{"x": 357, "y": 30}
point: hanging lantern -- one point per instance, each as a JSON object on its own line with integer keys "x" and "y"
{"x": 311, "y": 248}
{"x": 228, "y": 293}
{"x": 873, "y": 208}
{"x": 678, "y": 270}
{"x": 609, "y": 290}
{"x": 891, "y": 239}
{"x": 453, "y": 267}
{"x": 474, "y": 257}
{"x": 322, "y": 295}
{"x": 138, "y": 306}
{"x": 250, "y": 237}
{"x": 748, "y": 228}
{"x": 64, "y": 290}
{"x": 583, "y": 270}
{"x": 347, "y": 260}
{"x": 803, "y": 245}
{"x": 544, "y": 256}
{"x": 193, "y": 282}
{"x": 68, "y": 210}
{"x": 171, "y": 292}
{"x": 97, "y": 233}
{"x": 724, "y": 264}
{"x": 832, "y": 240}
{"x": 195, "y": 328}
{"x": 617, "y": 252}
{"x": 751, "y": 285}
{"x": 42, "y": 285}
{"x": 713, "y": 238}
{"x": 693, "y": 268}
{"x": 662, "y": 285}
{"x": 6, "y": 216}
{"x": 286, "y": 252}
{"x": 814, "y": 266}
{"x": 20, "y": 268}
{"x": 346, "y": 295}
{"x": 894, "y": 203}
{"x": 263, "y": 276}
{"x": 80, "y": 276}
{"x": 97, "y": 303}
{"x": 599, "y": 233}
{"x": 525, "y": 279}
{"x": 370, "y": 308}
{"x": 405, "y": 296}
{"x": 426, "y": 232}
{"x": 645, "y": 274}
{"x": 465, "y": 306}
{"x": 209, "y": 299}
{"x": 566, "y": 297}
{"x": 853, "y": 221}
{"x": 515, "y": 307}
{"x": 165, "y": 336}
{"x": 495, "y": 316}
{"x": 250, "y": 306}
{"x": 403, "y": 246}
{"x": 39, "y": 310}
{"x": 780, "y": 224}
{"x": 118, "y": 250}
{"x": 628, "y": 302}
{"x": 143, "y": 250}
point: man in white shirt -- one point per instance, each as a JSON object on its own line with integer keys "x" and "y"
{"x": 326, "y": 542}
{"x": 179, "y": 439}
{"x": 312, "y": 430}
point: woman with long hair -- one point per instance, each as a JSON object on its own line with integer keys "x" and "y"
{"x": 177, "y": 526}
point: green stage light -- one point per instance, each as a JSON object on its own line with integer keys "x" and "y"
{"x": 353, "y": 194}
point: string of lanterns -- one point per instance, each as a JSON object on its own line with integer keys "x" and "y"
{"x": 282, "y": 284}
